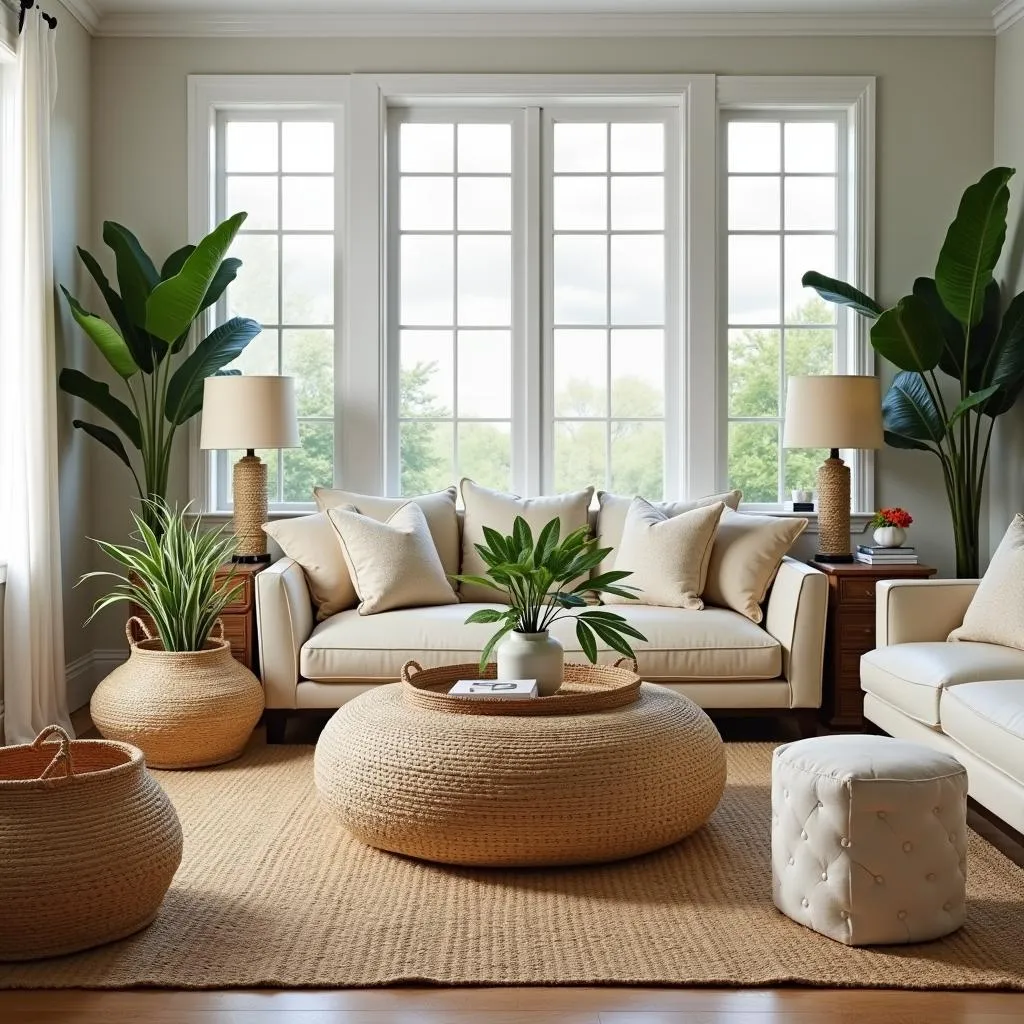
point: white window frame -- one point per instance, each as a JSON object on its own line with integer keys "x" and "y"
{"x": 794, "y": 97}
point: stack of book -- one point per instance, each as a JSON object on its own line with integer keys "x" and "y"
{"x": 885, "y": 556}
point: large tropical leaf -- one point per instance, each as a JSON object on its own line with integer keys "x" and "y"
{"x": 226, "y": 273}
{"x": 908, "y": 336}
{"x": 136, "y": 275}
{"x": 99, "y": 397}
{"x": 220, "y": 347}
{"x": 107, "y": 438}
{"x": 972, "y": 401}
{"x": 894, "y": 440}
{"x": 176, "y": 302}
{"x": 908, "y": 410}
{"x": 983, "y": 334}
{"x": 173, "y": 264}
{"x": 1006, "y": 365}
{"x": 114, "y": 348}
{"x": 972, "y": 246}
{"x": 842, "y": 294}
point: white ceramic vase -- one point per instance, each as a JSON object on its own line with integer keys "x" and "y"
{"x": 890, "y": 536}
{"x": 532, "y": 656}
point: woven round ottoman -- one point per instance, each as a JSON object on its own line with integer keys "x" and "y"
{"x": 869, "y": 839}
{"x": 509, "y": 790}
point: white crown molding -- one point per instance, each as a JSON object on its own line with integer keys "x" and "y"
{"x": 84, "y": 13}
{"x": 279, "y": 25}
{"x": 1008, "y": 13}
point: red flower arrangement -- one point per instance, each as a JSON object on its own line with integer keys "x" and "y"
{"x": 892, "y": 517}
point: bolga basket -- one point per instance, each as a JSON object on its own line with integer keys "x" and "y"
{"x": 89, "y": 844}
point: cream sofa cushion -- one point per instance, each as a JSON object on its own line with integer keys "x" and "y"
{"x": 613, "y": 508}
{"x": 911, "y": 677}
{"x": 392, "y": 564}
{"x": 438, "y": 508}
{"x": 746, "y": 556}
{"x": 667, "y": 557}
{"x": 996, "y": 612}
{"x": 313, "y": 543}
{"x": 716, "y": 645}
{"x": 988, "y": 719}
{"x": 498, "y": 511}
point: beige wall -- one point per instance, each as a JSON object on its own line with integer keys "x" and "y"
{"x": 1006, "y": 494}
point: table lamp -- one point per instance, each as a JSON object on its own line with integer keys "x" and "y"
{"x": 250, "y": 413}
{"x": 833, "y": 412}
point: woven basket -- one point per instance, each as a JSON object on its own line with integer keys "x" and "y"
{"x": 585, "y": 688}
{"x": 89, "y": 844}
{"x": 181, "y": 709}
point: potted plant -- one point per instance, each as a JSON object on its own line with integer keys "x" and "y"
{"x": 890, "y": 526}
{"x": 540, "y": 581}
{"x": 154, "y": 311}
{"x": 181, "y": 697}
{"x": 953, "y": 322}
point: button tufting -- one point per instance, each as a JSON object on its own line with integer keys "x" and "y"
{"x": 803, "y": 835}
{"x": 844, "y": 915}
{"x": 881, "y": 814}
{"x": 947, "y": 906}
{"x": 785, "y": 793}
{"x": 930, "y": 877}
{"x": 805, "y": 902}
{"x": 936, "y": 810}
{"x": 824, "y": 876}
{"x": 952, "y": 838}
{"x": 902, "y": 915}
{"x": 844, "y": 842}
{"x": 879, "y": 879}
{"x": 907, "y": 847}
{"x": 791, "y": 862}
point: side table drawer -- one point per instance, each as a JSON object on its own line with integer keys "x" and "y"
{"x": 857, "y": 591}
{"x": 242, "y": 601}
{"x": 855, "y": 630}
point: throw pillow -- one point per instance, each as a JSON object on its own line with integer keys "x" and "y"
{"x": 612, "y": 510}
{"x": 313, "y": 543}
{"x": 438, "y": 507}
{"x": 393, "y": 564}
{"x": 996, "y": 612}
{"x": 745, "y": 558}
{"x": 668, "y": 556}
{"x": 498, "y": 511}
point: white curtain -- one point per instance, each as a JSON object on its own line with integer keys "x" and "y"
{"x": 33, "y": 672}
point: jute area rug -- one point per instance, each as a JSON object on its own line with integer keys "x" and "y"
{"x": 272, "y": 892}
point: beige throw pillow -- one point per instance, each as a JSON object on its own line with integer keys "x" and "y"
{"x": 996, "y": 612}
{"x": 313, "y": 543}
{"x": 498, "y": 511}
{"x": 438, "y": 508}
{"x": 611, "y": 517}
{"x": 668, "y": 556}
{"x": 393, "y": 564}
{"x": 745, "y": 558}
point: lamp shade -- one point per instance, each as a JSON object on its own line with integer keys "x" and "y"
{"x": 833, "y": 412}
{"x": 249, "y": 412}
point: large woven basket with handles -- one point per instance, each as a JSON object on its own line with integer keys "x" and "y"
{"x": 89, "y": 844}
{"x": 181, "y": 709}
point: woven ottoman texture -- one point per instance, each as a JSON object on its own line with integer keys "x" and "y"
{"x": 518, "y": 791}
{"x": 869, "y": 839}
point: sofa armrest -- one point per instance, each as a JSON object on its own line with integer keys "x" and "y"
{"x": 284, "y": 618}
{"x": 920, "y": 611}
{"x": 797, "y": 610}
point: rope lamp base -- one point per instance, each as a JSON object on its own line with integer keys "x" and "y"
{"x": 834, "y": 510}
{"x": 249, "y": 489}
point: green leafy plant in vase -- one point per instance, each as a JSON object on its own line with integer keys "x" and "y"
{"x": 539, "y": 579}
{"x": 153, "y": 312}
{"x": 955, "y": 323}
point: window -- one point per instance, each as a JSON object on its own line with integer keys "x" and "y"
{"x": 785, "y": 211}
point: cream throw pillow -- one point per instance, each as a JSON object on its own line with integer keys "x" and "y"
{"x": 996, "y": 612}
{"x": 611, "y": 517}
{"x": 668, "y": 556}
{"x": 392, "y": 564}
{"x": 745, "y": 558}
{"x": 313, "y": 543}
{"x": 438, "y": 507}
{"x": 498, "y": 511}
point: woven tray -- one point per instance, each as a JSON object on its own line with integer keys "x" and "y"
{"x": 585, "y": 688}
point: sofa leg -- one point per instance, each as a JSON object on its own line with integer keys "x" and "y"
{"x": 806, "y": 721}
{"x": 276, "y": 721}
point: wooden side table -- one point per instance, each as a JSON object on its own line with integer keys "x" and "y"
{"x": 239, "y": 617}
{"x": 851, "y": 632}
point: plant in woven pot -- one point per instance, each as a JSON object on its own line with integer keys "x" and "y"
{"x": 544, "y": 582}
{"x": 181, "y": 697}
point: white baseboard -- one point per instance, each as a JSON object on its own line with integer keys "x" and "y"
{"x": 84, "y": 674}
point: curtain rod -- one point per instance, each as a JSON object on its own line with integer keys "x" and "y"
{"x": 50, "y": 19}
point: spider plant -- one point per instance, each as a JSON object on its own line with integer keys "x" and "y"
{"x": 538, "y": 580}
{"x": 171, "y": 575}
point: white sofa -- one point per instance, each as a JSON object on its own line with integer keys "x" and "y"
{"x": 716, "y": 656}
{"x": 966, "y": 699}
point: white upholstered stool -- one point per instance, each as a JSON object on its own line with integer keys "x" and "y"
{"x": 869, "y": 838}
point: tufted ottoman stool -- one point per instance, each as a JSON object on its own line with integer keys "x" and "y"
{"x": 869, "y": 839}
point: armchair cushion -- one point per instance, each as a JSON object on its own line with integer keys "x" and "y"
{"x": 988, "y": 719}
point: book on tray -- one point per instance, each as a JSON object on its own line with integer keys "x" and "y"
{"x": 494, "y": 689}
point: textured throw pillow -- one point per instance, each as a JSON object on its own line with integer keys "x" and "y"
{"x": 996, "y": 612}
{"x": 668, "y": 556}
{"x": 393, "y": 564}
{"x": 611, "y": 517}
{"x": 498, "y": 511}
{"x": 438, "y": 507}
{"x": 313, "y": 543}
{"x": 745, "y": 558}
